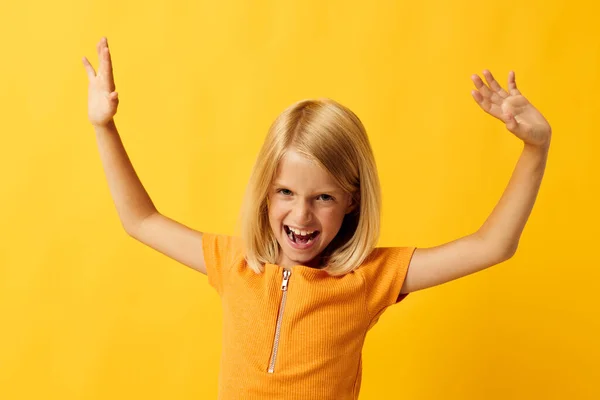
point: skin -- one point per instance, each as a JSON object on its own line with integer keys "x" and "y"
{"x": 306, "y": 197}
{"x": 498, "y": 238}
{"x": 303, "y": 206}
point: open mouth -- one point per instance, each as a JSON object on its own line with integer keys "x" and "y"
{"x": 300, "y": 239}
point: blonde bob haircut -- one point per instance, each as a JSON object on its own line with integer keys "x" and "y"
{"x": 331, "y": 135}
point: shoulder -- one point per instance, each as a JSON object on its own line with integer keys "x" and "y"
{"x": 221, "y": 247}
{"x": 384, "y": 273}
{"x": 384, "y": 256}
{"x": 385, "y": 264}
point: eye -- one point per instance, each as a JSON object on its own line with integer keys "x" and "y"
{"x": 326, "y": 197}
{"x": 284, "y": 192}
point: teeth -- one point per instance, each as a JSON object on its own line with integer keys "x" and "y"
{"x": 293, "y": 238}
{"x": 299, "y": 232}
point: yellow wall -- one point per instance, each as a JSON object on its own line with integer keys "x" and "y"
{"x": 88, "y": 313}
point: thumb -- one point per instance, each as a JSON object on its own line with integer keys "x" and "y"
{"x": 510, "y": 121}
{"x": 91, "y": 73}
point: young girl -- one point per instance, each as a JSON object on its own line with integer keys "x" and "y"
{"x": 304, "y": 283}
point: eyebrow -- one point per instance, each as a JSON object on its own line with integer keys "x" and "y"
{"x": 325, "y": 190}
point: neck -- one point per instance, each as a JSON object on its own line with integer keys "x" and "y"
{"x": 285, "y": 262}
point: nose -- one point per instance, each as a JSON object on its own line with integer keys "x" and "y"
{"x": 302, "y": 212}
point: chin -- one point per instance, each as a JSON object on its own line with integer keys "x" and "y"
{"x": 299, "y": 257}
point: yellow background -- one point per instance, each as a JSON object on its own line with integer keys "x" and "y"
{"x": 88, "y": 313}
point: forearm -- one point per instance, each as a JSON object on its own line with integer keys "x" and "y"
{"x": 504, "y": 226}
{"x": 131, "y": 199}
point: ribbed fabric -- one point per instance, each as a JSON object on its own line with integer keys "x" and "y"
{"x": 323, "y": 326}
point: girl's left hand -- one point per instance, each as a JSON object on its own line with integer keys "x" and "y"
{"x": 512, "y": 108}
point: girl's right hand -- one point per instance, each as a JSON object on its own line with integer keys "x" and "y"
{"x": 102, "y": 98}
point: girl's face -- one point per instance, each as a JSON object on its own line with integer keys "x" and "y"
{"x": 306, "y": 209}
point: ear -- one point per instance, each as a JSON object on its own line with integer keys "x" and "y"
{"x": 352, "y": 205}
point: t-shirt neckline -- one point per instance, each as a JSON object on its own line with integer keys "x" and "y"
{"x": 300, "y": 269}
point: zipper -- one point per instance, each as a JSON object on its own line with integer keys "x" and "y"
{"x": 284, "y": 286}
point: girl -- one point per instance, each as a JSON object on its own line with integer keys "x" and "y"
{"x": 304, "y": 283}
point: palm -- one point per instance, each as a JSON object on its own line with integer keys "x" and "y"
{"x": 512, "y": 108}
{"x": 102, "y": 98}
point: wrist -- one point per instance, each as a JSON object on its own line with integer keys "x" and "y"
{"x": 539, "y": 147}
{"x": 107, "y": 126}
{"x": 537, "y": 151}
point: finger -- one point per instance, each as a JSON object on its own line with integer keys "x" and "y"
{"x": 107, "y": 68}
{"x": 485, "y": 91}
{"x": 483, "y": 102}
{"x": 494, "y": 85}
{"x": 99, "y": 47}
{"x": 477, "y": 96}
{"x": 114, "y": 96}
{"x": 99, "y": 51}
{"x": 91, "y": 73}
{"x": 512, "y": 84}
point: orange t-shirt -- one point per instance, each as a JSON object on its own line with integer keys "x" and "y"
{"x": 298, "y": 336}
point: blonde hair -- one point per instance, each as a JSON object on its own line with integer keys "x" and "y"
{"x": 332, "y": 136}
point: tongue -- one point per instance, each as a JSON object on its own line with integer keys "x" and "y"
{"x": 302, "y": 239}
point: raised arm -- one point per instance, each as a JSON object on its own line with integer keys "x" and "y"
{"x": 137, "y": 213}
{"x": 497, "y": 239}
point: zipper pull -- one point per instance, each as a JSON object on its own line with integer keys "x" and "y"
{"x": 286, "y": 279}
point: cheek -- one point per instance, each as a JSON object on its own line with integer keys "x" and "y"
{"x": 331, "y": 218}
{"x": 276, "y": 213}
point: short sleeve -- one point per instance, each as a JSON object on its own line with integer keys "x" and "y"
{"x": 221, "y": 252}
{"x": 384, "y": 273}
